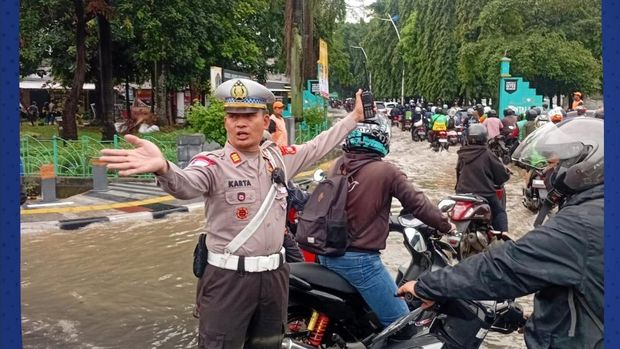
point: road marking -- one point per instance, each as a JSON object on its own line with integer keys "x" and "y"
{"x": 98, "y": 207}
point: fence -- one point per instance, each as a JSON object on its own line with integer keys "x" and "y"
{"x": 71, "y": 158}
{"x": 305, "y": 132}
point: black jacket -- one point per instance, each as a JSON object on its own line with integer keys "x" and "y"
{"x": 478, "y": 171}
{"x": 563, "y": 254}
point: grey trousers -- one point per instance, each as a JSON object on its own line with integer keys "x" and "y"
{"x": 242, "y": 309}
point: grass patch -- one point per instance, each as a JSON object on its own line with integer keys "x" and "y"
{"x": 167, "y": 133}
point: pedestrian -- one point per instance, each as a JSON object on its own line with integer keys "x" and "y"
{"x": 577, "y": 101}
{"x": 243, "y": 293}
{"x": 52, "y": 109}
{"x": 479, "y": 171}
{"x": 277, "y": 126}
{"x": 373, "y": 184}
{"x": 561, "y": 261}
{"x": 45, "y": 112}
{"x": 33, "y": 112}
{"x": 493, "y": 124}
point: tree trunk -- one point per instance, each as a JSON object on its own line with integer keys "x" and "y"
{"x": 296, "y": 76}
{"x": 310, "y": 56}
{"x": 160, "y": 97}
{"x": 105, "y": 73}
{"x": 98, "y": 107}
{"x": 69, "y": 126}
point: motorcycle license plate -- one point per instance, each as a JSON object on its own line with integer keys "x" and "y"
{"x": 443, "y": 140}
{"x": 538, "y": 183}
{"x": 421, "y": 132}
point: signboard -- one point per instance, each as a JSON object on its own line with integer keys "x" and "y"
{"x": 323, "y": 70}
{"x": 510, "y": 85}
{"x": 315, "y": 87}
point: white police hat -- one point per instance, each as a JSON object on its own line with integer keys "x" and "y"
{"x": 243, "y": 96}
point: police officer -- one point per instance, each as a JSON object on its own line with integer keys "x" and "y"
{"x": 560, "y": 261}
{"x": 242, "y": 296}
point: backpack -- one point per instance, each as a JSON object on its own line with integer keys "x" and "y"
{"x": 450, "y": 122}
{"x": 323, "y": 227}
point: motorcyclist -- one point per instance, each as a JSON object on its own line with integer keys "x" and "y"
{"x": 531, "y": 115}
{"x": 479, "y": 171}
{"x": 374, "y": 183}
{"x": 493, "y": 124}
{"x": 560, "y": 261}
{"x": 438, "y": 122}
{"x": 510, "y": 129}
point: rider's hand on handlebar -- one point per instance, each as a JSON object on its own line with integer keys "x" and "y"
{"x": 452, "y": 229}
{"x": 409, "y": 288}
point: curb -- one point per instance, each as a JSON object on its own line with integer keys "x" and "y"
{"x": 73, "y": 224}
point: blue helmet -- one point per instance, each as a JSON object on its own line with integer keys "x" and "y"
{"x": 372, "y": 135}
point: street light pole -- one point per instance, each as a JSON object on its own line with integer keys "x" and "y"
{"x": 369, "y": 73}
{"x": 402, "y": 75}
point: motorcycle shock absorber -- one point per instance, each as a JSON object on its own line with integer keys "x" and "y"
{"x": 318, "y": 331}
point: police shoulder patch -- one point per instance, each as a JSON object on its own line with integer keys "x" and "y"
{"x": 201, "y": 160}
{"x": 290, "y": 150}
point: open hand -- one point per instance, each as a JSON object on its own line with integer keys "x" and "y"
{"x": 409, "y": 287}
{"x": 144, "y": 158}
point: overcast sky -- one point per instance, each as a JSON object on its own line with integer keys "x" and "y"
{"x": 355, "y": 9}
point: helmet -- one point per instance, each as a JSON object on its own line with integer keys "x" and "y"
{"x": 433, "y": 109}
{"x": 531, "y": 114}
{"x": 479, "y": 107}
{"x": 486, "y": 109}
{"x": 418, "y": 110}
{"x": 445, "y": 106}
{"x": 509, "y": 111}
{"x": 572, "y": 149}
{"x": 439, "y": 111}
{"x": 491, "y": 113}
{"x": 372, "y": 135}
{"x": 470, "y": 111}
{"x": 477, "y": 134}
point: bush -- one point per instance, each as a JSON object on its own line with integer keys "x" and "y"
{"x": 208, "y": 120}
{"x": 314, "y": 117}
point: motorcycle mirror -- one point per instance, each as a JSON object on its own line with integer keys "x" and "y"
{"x": 319, "y": 175}
{"x": 446, "y": 205}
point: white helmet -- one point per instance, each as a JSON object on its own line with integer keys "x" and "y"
{"x": 418, "y": 109}
{"x": 433, "y": 108}
{"x": 486, "y": 109}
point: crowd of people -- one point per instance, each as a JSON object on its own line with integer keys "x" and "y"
{"x": 242, "y": 296}
{"x": 45, "y": 116}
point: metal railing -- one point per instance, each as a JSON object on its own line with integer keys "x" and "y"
{"x": 305, "y": 132}
{"x": 71, "y": 158}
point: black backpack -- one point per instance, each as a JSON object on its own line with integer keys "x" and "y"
{"x": 451, "y": 122}
{"x": 323, "y": 227}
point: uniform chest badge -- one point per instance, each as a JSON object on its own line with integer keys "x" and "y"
{"x": 235, "y": 158}
{"x": 242, "y": 213}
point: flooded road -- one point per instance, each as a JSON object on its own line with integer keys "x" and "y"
{"x": 130, "y": 285}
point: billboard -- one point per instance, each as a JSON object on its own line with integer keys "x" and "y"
{"x": 323, "y": 69}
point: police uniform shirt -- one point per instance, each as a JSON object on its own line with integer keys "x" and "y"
{"x": 234, "y": 185}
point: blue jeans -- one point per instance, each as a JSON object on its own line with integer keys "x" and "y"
{"x": 368, "y": 275}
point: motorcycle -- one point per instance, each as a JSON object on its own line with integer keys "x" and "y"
{"x": 418, "y": 131}
{"x": 472, "y": 216}
{"x": 453, "y": 137}
{"x": 405, "y": 122}
{"x": 535, "y": 192}
{"x": 497, "y": 145}
{"x": 326, "y": 311}
{"x": 440, "y": 141}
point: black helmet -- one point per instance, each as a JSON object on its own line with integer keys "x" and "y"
{"x": 479, "y": 108}
{"x": 370, "y": 136}
{"x": 477, "y": 134}
{"x": 572, "y": 149}
{"x": 491, "y": 113}
{"x": 438, "y": 110}
{"x": 509, "y": 111}
{"x": 531, "y": 114}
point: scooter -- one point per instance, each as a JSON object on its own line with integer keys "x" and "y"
{"x": 453, "y": 137}
{"x": 472, "y": 216}
{"x": 440, "y": 141}
{"x": 326, "y": 311}
{"x": 418, "y": 131}
{"x": 535, "y": 192}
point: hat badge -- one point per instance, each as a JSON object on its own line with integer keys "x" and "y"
{"x": 238, "y": 91}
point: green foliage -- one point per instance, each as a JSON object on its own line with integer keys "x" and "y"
{"x": 314, "y": 116}
{"x": 208, "y": 120}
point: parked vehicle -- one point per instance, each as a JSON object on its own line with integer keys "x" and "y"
{"x": 381, "y": 109}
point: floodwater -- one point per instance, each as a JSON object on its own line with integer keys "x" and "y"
{"x": 130, "y": 285}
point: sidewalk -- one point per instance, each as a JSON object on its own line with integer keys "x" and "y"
{"x": 122, "y": 201}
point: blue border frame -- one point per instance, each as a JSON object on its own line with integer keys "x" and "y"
{"x": 10, "y": 320}
{"x": 611, "y": 91}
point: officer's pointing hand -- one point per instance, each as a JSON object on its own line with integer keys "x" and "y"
{"x": 358, "y": 110}
{"x": 144, "y": 158}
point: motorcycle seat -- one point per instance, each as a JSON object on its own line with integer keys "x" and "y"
{"x": 468, "y": 198}
{"x": 318, "y": 275}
